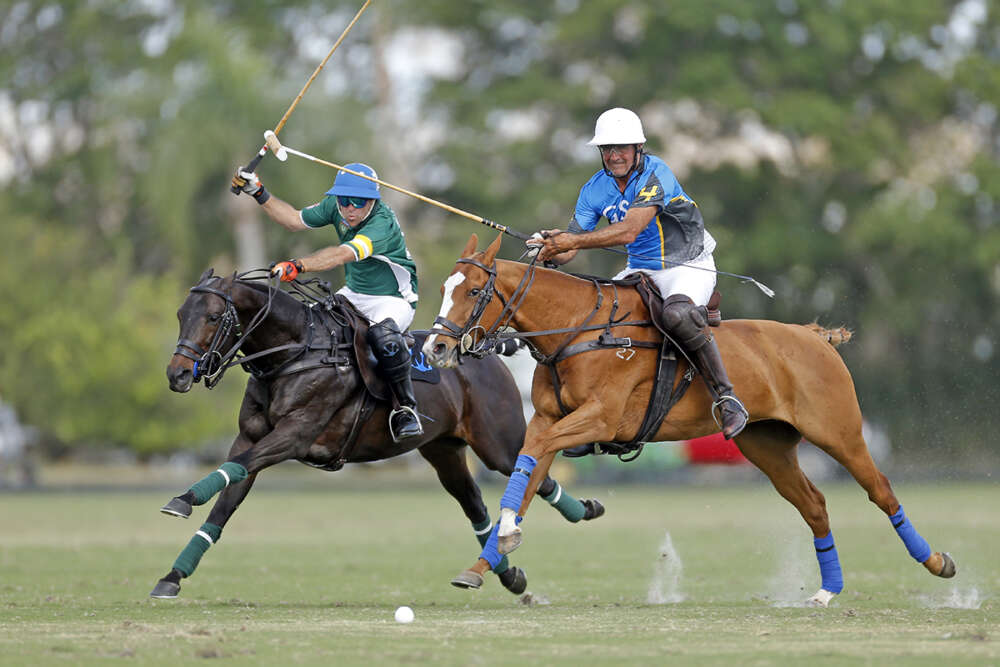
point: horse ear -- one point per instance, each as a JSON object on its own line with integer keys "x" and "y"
{"x": 470, "y": 247}
{"x": 491, "y": 252}
{"x": 205, "y": 276}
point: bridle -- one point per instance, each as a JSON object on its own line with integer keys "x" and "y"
{"x": 210, "y": 364}
{"x": 474, "y": 339}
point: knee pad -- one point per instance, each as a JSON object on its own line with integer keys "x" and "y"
{"x": 685, "y": 321}
{"x": 386, "y": 341}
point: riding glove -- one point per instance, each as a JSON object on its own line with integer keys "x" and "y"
{"x": 248, "y": 182}
{"x": 287, "y": 271}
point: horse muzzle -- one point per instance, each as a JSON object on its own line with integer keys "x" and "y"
{"x": 180, "y": 378}
{"x": 438, "y": 353}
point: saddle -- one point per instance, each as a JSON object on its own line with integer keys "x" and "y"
{"x": 420, "y": 370}
{"x": 664, "y": 395}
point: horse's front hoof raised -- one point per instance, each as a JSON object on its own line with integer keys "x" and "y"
{"x": 507, "y": 543}
{"x": 165, "y": 590}
{"x": 514, "y": 580}
{"x": 941, "y": 564}
{"x": 592, "y": 509}
{"x": 177, "y": 507}
{"x": 468, "y": 579}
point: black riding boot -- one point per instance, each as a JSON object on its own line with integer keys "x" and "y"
{"x": 686, "y": 322}
{"x": 394, "y": 363}
{"x": 732, "y": 415}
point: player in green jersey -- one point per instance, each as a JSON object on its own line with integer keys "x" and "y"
{"x": 381, "y": 276}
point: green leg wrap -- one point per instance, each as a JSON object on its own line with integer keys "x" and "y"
{"x": 206, "y": 536}
{"x": 571, "y": 508}
{"x": 482, "y": 531}
{"x": 228, "y": 473}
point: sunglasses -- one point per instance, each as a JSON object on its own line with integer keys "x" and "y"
{"x": 609, "y": 149}
{"x": 356, "y": 202}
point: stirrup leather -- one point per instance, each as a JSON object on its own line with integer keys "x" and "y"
{"x": 717, "y": 408}
{"x": 400, "y": 409}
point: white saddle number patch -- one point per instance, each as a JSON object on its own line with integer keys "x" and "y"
{"x": 625, "y": 353}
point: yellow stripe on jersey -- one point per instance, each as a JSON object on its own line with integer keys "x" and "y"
{"x": 663, "y": 247}
{"x": 361, "y": 245}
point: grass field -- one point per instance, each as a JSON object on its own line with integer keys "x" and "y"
{"x": 314, "y": 577}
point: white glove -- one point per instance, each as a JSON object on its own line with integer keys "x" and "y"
{"x": 534, "y": 243}
{"x": 250, "y": 183}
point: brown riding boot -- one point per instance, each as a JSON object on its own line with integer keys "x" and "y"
{"x": 732, "y": 416}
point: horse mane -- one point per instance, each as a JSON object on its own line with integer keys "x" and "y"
{"x": 834, "y": 336}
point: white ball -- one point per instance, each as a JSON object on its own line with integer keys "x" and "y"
{"x": 404, "y": 615}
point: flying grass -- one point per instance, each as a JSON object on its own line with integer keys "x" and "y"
{"x": 314, "y": 577}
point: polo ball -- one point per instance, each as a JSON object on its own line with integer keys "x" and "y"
{"x": 404, "y": 615}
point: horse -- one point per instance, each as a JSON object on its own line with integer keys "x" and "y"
{"x": 594, "y": 383}
{"x": 312, "y": 396}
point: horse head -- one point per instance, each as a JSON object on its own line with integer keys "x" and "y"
{"x": 467, "y": 297}
{"x": 208, "y": 325}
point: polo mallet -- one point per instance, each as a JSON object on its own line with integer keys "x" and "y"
{"x": 282, "y": 152}
{"x": 281, "y": 123}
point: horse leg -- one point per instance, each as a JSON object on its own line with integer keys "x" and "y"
{"x": 853, "y": 454}
{"x": 446, "y": 457}
{"x": 772, "y": 447}
{"x": 210, "y": 532}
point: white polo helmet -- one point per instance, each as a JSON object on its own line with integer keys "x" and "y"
{"x": 617, "y": 126}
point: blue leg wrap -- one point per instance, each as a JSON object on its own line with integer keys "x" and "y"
{"x": 483, "y": 531}
{"x": 490, "y": 553}
{"x": 829, "y": 563}
{"x": 915, "y": 544}
{"x": 518, "y": 482}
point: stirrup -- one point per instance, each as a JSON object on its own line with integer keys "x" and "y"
{"x": 416, "y": 420}
{"x": 717, "y": 407}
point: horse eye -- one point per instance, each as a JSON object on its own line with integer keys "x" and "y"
{"x": 474, "y": 292}
{"x": 214, "y": 317}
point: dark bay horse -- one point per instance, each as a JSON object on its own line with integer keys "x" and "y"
{"x": 791, "y": 379}
{"x": 311, "y": 398}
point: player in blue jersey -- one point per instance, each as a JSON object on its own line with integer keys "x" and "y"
{"x": 661, "y": 227}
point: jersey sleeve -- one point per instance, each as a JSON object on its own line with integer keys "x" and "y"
{"x": 321, "y": 213}
{"x": 587, "y": 213}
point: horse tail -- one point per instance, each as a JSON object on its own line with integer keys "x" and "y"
{"x": 833, "y": 336}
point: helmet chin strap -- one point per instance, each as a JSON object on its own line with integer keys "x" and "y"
{"x": 636, "y": 162}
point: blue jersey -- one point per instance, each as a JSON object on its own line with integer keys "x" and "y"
{"x": 677, "y": 232}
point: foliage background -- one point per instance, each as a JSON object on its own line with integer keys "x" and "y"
{"x": 843, "y": 153}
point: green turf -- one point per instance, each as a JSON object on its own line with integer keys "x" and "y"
{"x": 314, "y": 578}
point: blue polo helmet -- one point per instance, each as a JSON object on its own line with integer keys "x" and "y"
{"x": 349, "y": 185}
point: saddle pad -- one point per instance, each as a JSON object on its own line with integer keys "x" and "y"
{"x": 419, "y": 368}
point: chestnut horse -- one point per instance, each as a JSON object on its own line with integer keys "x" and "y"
{"x": 790, "y": 378}
{"x": 309, "y": 399}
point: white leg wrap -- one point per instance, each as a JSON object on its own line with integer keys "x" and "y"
{"x": 821, "y": 598}
{"x": 508, "y": 524}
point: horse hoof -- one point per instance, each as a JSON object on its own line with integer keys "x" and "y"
{"x": 165, "y": 590}
{"x": 514, "y": 580}
{"x": 177, "y": 507}
{"x": 948, "y": 568}
{"x": 507, "y": 543}
{"x": 468, "y": 579}
{"x": 821, "y": 598}
{"x": 592, "y": 509}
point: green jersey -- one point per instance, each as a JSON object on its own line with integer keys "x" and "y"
{"x": 384, "y": 266}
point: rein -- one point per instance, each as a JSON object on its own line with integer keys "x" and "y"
{"x": 211, "y": 364}
{"x": 479, "y": 345}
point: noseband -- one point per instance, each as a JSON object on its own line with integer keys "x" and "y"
{"x": 211, "y": 362}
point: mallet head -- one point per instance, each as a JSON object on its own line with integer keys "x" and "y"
{"x": 271, "y": 139}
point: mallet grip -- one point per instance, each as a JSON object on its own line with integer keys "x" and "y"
{"x": 250, "y": 167}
